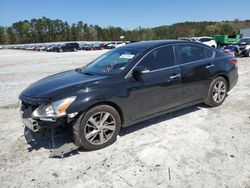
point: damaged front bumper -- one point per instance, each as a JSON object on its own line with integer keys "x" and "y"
{"x": 56, "y": 136}
{"x": 59, "y": 139}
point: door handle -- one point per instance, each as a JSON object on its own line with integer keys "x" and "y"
{"x": 210, "y": 66}
{"x": 174, "y": 76}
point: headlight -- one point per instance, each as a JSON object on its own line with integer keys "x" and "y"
{"x": 54, "y": 110}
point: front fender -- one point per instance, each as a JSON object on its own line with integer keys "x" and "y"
{"x": 85, "y": 100}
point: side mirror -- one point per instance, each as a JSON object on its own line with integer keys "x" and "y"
{"x": 139, "y": 71}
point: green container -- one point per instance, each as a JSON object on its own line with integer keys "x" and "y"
{"x": 226, "y": 39}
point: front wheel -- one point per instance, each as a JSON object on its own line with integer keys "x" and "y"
{"x": 247, "y": 54}
{"x": 97, "y": 128}
{"x": 217, "y": 92}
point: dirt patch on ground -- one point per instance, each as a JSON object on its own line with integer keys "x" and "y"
{"x": 193, "y": 147}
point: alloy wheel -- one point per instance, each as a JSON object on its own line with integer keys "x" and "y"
{"x": 100, "y": 128}
{"x": 219, "y": 91}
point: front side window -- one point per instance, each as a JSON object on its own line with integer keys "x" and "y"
{"x": 188, "y": 53}
{"x": 160, "y": 58}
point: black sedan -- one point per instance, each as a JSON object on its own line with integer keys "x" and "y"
{"x": 67, "y": 47}
{"x": 127, "y": 85}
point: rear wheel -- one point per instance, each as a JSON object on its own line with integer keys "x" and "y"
{"x": 98, "y": 128}
{"x": 217, "y": 92}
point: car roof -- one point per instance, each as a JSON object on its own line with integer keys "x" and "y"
{"x": 153, "y": 43}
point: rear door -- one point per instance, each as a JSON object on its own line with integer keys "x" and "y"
{"x": 157, "y": 90}
{"x": 197, "y": 69}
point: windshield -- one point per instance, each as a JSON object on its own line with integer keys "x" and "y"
{"x": 111, "y": 63}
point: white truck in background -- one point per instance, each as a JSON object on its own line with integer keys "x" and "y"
{"x": 245, "y": 32}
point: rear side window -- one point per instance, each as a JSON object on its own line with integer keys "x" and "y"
{"x": 188, "y": 53}
{"x": 160, "y": 58}
{"x": 208, "y": 52}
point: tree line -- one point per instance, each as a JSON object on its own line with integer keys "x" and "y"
{"x": 48, "y": 30}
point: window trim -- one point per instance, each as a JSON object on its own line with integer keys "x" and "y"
{"x": 175, "y": 58}
{"x": 213, "y": 55}
{"x": 145, "y": 55}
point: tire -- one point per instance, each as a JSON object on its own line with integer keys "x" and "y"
{"x": 74, "y": 49}
{"x": 217, "y": 91}
{"x": 61, "y": 50}
{"x": 88, "y": 134}
{"x": 247, "y": 54}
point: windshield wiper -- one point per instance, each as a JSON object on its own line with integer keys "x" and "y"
{"x": 87, "y": 73}
{"x": 83, "y": 72}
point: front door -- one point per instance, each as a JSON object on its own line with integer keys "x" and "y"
{"x": 157, "y": 90}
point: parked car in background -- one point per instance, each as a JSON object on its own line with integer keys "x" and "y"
{"x": 103, "y": 45}
{"x": 125, "y": 86}
{"x": 110, "y": 45}
{"x": 226, "y": 39}
{"x": 231, "y": 49}
{"x": 49, "y": 48}
{"x": 66, "y": 47}
{"x": 244, "y": 47}
{"x": 115, "y": 45}
{"x": 87, "y": 47}
{"x": 96, "y": 46}
{"x": 42, "y": 47}
{"x": 30, "y": 47}
{"x": 119, "y": 44}
{"x": 184, "y": 38}
{"x": 205, "y": 40}
{"x": 82, "y": 45}
{"x": 240, "y": 48}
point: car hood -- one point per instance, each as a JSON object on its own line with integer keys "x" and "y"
{"x": 58, "y": 84}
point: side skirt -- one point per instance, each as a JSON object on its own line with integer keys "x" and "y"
{"x": 128, "y": 123}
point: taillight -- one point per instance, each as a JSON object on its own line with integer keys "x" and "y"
{"x": 233, "y": 60}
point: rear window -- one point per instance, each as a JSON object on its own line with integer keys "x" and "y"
{"x": 188, "y": 53}
{"x": 208, "y": 53}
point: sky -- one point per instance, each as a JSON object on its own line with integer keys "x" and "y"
{"x": 128, "y": 14}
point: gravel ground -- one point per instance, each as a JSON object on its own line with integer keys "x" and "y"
{"x": 193, "y": 147}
